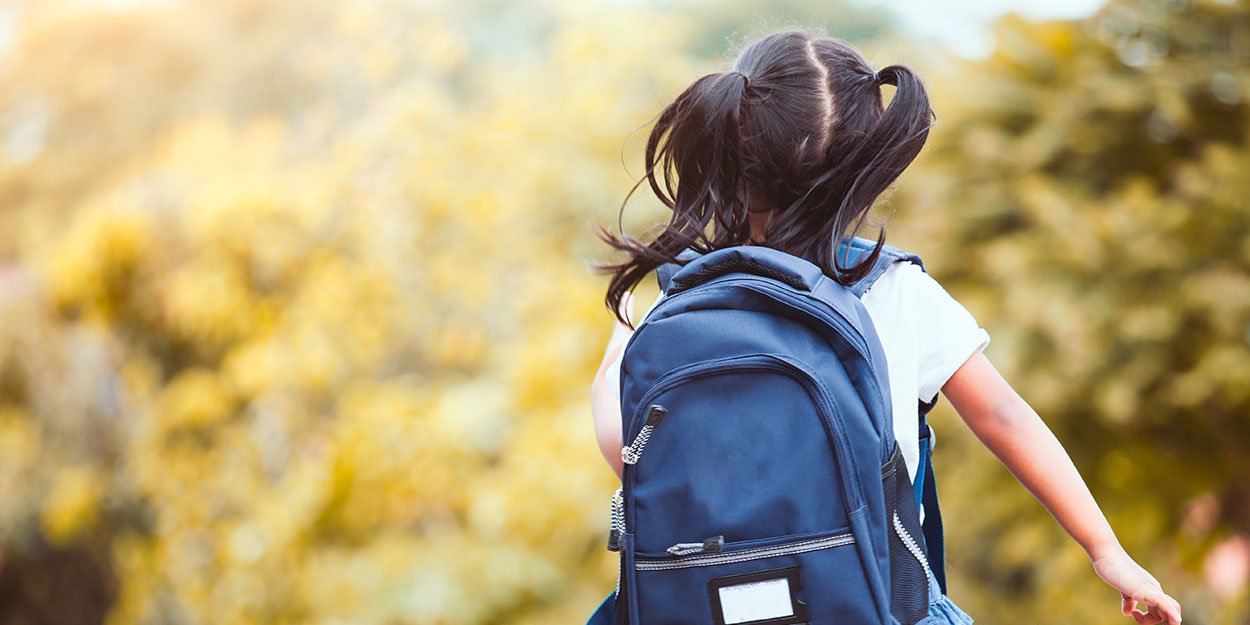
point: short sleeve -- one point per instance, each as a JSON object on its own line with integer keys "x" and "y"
{"x": 614, "y": 375}
{"x": 613, "y": 372}
{"x": 947, "y": 334}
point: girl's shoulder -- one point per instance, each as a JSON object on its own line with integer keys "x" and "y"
{"x": 901, "y": 279}
{"x": 908, "y": 288}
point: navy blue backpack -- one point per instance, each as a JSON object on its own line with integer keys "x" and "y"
{"x": 762, "y": 483}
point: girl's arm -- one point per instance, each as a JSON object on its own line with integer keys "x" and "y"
{"x": 1014, "y": 432}
{"x": 605, "y": 405}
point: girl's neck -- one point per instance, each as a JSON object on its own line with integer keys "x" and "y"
{"x": 759, "y": 223}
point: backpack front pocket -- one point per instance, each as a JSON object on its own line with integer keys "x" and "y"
{"x": 814, "y": 577}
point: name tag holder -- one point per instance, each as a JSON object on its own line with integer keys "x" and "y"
{"x": 759, "y": 598}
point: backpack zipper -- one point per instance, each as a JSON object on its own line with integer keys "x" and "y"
{"x": 618, "y": 528}
{"x": 911, "y": 544}
{"x": 859, "y": 342}
{"x": 643, "y": 563}
{"x": 631, "y": 453}
{"x": 617, "y": 522}
{"x": 715, "y": 544}
{"x": 826, "y": 409}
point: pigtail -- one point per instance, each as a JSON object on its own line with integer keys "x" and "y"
{"x": 897, "y": 139}
{"x": 867, "y": 156}
{"x": 697, "y": 141}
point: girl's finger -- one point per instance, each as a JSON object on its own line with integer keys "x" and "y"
{"x": 1130, "y": 608}
{"x": 1155, "y": 615}
{"x": 1149, "y": 617}
{"x": 1164, "y": 607}
{"x": 1171, "y": 608}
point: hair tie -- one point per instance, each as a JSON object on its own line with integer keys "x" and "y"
{"x": 746, "y": 80}
{"x": 876, "y": 77}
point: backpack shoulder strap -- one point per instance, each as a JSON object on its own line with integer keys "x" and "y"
{"x": 925, "y": 485}
{"x": 664, "y": 273}
{"x": 859, "y": 245}
{"x": 888, "y": 256}
{"x": 925, "y": 491}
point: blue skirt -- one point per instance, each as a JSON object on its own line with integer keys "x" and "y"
{"x": 942, "y": 611}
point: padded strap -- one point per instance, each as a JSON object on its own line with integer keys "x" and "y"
{"x": 935, "y": 547}
{"x": 664, "y": 273}
{"x": 923, "y": 468}
{"x": 752, "y": 259}
{"x": 888, "y": 256}
{"x": 858, "y": 245}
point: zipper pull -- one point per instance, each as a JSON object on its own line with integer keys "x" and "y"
{"x": 709, "y": 545}
{"x": 631, "y": 453}
{"x": 617, "y": 520}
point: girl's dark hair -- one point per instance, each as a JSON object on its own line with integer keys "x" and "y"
{"x": 797, "y": 127}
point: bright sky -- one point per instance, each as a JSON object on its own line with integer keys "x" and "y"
{"x": 962, "y": 24}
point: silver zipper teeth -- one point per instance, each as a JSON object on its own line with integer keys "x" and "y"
{"x": 630, "y": 454}
{"x": 618, "y": 523}
{"x": 911, "y": 544}
{"x": 745, "y": 555}
{"x": 618, "y": 510}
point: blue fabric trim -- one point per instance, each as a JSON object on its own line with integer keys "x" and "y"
{"x": 603, "y": 615}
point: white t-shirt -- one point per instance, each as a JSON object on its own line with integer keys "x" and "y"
{"x": 926, "y": 335}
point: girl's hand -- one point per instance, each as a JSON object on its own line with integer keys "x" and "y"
{"x": 1136, "y": 584}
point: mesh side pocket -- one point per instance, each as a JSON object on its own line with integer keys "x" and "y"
{"x": 909, "y": 575}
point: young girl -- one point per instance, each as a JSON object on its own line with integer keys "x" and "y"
{"x": 789, "y": 149}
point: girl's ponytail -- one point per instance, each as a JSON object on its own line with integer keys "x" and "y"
{"x": 867, "y": 155}
{"x": 895, "y": 141}
{"x": 697, "y": 139}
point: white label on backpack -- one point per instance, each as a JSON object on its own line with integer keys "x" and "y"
{"x": 756, "y": 601}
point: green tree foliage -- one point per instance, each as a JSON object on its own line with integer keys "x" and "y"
{"x": 1085, "y": 194}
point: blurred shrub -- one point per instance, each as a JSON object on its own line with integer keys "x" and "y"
{"x": 1085, "y": 194}
{"x": 300, "y": 333}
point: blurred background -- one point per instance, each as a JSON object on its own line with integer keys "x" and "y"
{"x": 298, "y": 323}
